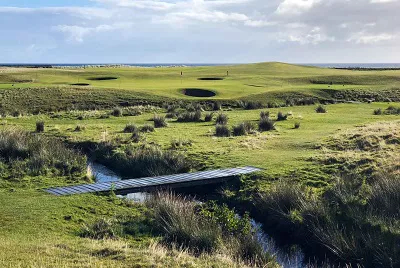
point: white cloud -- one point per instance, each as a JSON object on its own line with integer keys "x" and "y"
{"x": 203, "y": 27}
{"x": 363, "y": 38}
{"x": 295, "y": 6}
{"x": 77, "y": 33}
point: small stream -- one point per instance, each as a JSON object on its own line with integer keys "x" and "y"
{"x": 293, "y": 258}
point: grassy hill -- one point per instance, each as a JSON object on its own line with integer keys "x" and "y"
{"x": 264, "y": 82}
{"x": 103, "y": 111}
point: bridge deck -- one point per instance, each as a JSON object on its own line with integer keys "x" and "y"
{"x": 146, "y": 184}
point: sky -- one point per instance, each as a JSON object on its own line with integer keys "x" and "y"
{"x": 199, "y": 31}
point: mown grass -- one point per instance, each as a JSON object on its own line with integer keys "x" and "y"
{"x": 268, "y": 150}
{"x": 30, "y": 90}
{"x": 308, "y": 155}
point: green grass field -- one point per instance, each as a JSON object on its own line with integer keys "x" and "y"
{"x": 40, "y": 230}
{"x": 265, "y": 82}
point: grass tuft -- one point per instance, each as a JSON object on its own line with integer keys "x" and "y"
{"x": 160, "y": 121}
{"x": 222, "y": 119}
{"x": 222, "y": 131}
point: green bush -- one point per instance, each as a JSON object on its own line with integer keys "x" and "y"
{"x": 243, "y": 129}
{"x": 130, "y": 128}
{"x": 206, "y": 228}
{"x": 352, "y": 221}
{"x": 222, "y": 131}
{"x": 117, "y": 112}
{"x": 190, "y": 116}
{"x": 39, "y": 126}
{"x": 147, "y": 129}
{"x": 378, "y": 111}
{"x": 209, "y": 117}
{"x": 222, "y": 119}
{"x": 264, "y": 114}
{"x": 321, "y": 109}
{"x": 266, "y": 124}
{"x": 159, "y": 121}
{"x": 392, "y": 110}
{"x": 217, "y": 106}
{"x": 281, "y": 116}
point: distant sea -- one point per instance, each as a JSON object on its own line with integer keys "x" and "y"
{"x": 323, "y": 65}
{"x": 356, "y": 65}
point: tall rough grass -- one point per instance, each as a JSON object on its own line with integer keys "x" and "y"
{"x": 222, "y": 119}
{"x": 159, "y": 121}
{"x": 354, "y": 222}
{"x": 189, "y": 225}
{"x": 142, "y": 161}
{"x": 36, "y": 154}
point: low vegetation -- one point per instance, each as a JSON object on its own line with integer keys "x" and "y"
{"x": 159, "y": 121}
{"x": 222, "y": 131}
{"x": 142, "y": 161}
{"x": 23, "y": 153}
{"x": 343, "y": 221}
{"x": 321, "y": 109}
{"x": 243, "y": 129}
{"x": 266, "y": 124}
{"x": 206, "y": 229}
{"x": 222, "y": 119}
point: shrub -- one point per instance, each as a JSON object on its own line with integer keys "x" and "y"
{"x": 321, "y": 109}
{"x": 206, "y": 228}
{"x": 281, "y": 117}
{"x": 266, "y": 124}
{"x": 222, "y": 119}
{"x": 222, "y": 131}
{"x": 37, "y": 154}
{"x": 159, "y": 121}
{"x": 393, "y": 110}
{"x": 39, "y": 126}
{"x": 251, "y": 105}
{"x": 297, "y": 125}
{"x": 147, "y": 129}
{"x": 130, "y": 128}
{"x": 190, "y": 116}
{"x": 217, "y": 106}
{"x": 242, "y": 129}
{"x": 378, "y": 111}
{"x": 264, "y": 114}
{"x": 117, "y": 112}
{"x": 209, "y": 117}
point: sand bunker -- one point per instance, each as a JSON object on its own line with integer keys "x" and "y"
{"x": 198, "y": 92}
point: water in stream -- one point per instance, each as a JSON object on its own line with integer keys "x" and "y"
{"x": 293, "y": 259}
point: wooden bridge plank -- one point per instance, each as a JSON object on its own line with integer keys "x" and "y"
{"x": 151, "y": 182}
